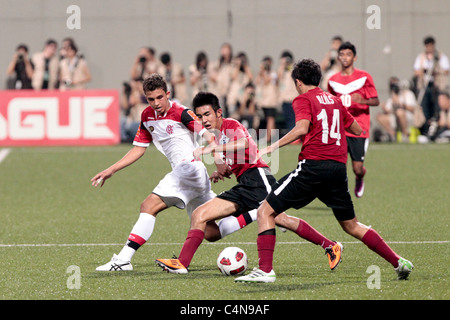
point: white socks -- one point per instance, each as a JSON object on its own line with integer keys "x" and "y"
{"x": 140, "y": 233}
{"x": 231, "y": 224}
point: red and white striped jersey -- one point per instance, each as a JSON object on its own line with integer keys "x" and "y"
{"x": 172, "y": 134}
{"x": 360, "y": 82}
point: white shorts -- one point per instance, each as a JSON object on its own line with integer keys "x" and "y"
{"x": 186, "y": 186}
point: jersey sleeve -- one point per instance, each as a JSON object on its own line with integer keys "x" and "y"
{"x": 191, "y": 121}
{"x": 302, "y": 108}
{"x": 369, "y": 89}
{"x": 143, "y": 138}
{"x": 330, "y": 88}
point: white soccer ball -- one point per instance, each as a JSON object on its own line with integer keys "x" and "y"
{"x": 232, "y": 261}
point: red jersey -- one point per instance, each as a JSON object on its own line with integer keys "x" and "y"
{"x": 328, "y": 119}
{"x": 358, "y": 82}
{"x": 241, "y": 160}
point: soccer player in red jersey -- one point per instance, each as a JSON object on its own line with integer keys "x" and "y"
{"x": 357, "y": 92}
{"x": 255, "y": 181}
{"x": 321, "y": 121}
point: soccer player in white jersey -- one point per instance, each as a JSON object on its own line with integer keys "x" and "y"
{"x": 170, "y": 127}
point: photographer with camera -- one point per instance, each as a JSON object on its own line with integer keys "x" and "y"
{"x": 431, "y": 68}
{"x": 286, "y": 89}
{"x": 330, "y": 64}
{"x": 248, "y": 109}
{"x": 267, "y": 94}
{"x": 201, "y": 75}
{"x": 46, "y": 66}
{"x": 20, "y": 70}
{"x": 241, "y": 75}
{"x": 144, "y": 65}
{"x": 398, "y": 110}
{"x": 74, "y": 70}
{"x": 173, "y": 74}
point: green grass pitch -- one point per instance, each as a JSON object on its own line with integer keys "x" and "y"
{"x": 52, "y": 219}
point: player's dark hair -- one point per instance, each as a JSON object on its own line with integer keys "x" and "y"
{"x": 206, "y": 99}
{"x": 307, "y": 71}
{"x": 347, "y": 45}
{"x": 155, "y": 81}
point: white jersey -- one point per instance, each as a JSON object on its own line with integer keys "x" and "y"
{"x": 187, "y": 185}
{"x": 172, "y": 134}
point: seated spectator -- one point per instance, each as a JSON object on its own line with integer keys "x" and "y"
{"x": 398, "y": 111}
{"x": 74, "y": 71}
{"x": 46, "y": 67}
{"x": 20, "y": 70}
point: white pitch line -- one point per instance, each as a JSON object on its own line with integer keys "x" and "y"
{"x": 4, "y": 153}
{"x": 179, "y": 244}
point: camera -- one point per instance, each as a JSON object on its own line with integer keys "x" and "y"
{"x": 394, "y": 88}
{"x": 68, "y": 83}
{"x": 142, "y": 59}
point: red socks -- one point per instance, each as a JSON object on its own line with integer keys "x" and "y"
{"x": 193, "y": 240}
{"x": 307, "y": 232}
{"x": 266, "y": 246}
{"x": 376, "y": 243}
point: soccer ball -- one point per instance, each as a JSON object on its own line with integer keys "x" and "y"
{"x": 232, "y": 261}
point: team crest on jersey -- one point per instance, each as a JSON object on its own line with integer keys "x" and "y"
{"x": 224, "y": 139}
{"x": 169, "y": 129}
{"x": 151, "y": 128}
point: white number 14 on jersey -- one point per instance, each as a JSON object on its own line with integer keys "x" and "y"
{"x": 334, "y": 132}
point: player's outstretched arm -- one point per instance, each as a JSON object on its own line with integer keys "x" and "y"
{"x": 301, "y": 128}
{"x": 132, "y": 156}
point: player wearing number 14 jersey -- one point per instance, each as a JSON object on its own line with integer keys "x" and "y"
{"x": 321, "y": 120}
{"x": 357, "y": 92}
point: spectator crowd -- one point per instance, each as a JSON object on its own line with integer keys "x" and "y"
{"x": 417, "y": 109}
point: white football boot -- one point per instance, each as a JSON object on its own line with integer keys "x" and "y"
{"x": 404, "y": 269}
{"x": 258, "y": 276}
{"x": 116, "y": 265}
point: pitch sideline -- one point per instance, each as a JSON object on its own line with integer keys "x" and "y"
{"x": 4, "y": 153}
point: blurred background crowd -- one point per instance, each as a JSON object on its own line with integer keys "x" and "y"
{"x": 259, "y": 95}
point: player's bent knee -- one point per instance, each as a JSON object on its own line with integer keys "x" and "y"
{"x": 198, "y": 216}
